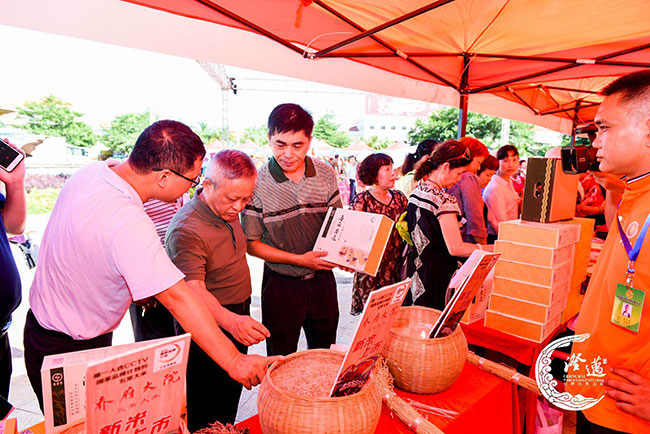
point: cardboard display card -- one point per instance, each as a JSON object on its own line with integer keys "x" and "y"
{"x": 94, "y": 390}
{"x": 354, "y": 239}
{"x": 377, "y": 318}
{"x": 467, "y": 281}
{"x": 476, "y": 310}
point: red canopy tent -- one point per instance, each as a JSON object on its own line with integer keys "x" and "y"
{"x": 538, "y": 62}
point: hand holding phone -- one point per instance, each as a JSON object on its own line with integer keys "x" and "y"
{"x": 9, "y": 156}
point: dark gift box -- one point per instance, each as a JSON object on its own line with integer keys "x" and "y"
{"x": 549, "y": 194}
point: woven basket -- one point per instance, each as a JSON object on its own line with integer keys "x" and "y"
{"x": 287, "y": 413}
{"x": 424, "y": 365}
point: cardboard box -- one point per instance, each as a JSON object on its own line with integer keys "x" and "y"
{"x": 582, "y": 249}
{"x": 546, "y": 295}
{"x": 551, "y": 235}
{"x": 476, "y": 310}
{"x": 543, "y": 276}
{"x": 524, "y": 329}
{"x": 525, "y": 309}
{"x": 534, "y": 255}
{"x": 573, "y": 303}
{"x": 354, "y": 239}
{"x": 549, "y": 193}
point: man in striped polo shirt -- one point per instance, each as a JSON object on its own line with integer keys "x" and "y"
{"x": 281, "y": 222}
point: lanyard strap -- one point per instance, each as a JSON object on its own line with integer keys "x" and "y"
{"x": 632, "y": 252}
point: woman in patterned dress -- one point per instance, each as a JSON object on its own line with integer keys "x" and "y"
{"x": 377, "y": 172}
{"x": 434, "y": 225}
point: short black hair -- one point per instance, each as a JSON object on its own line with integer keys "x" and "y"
{"x": 368, "y": 169}
{"x": 290, "y": 117}
{"x": 166, "y": 144}
{"x": 504, "y": 150}
{"x": 490, "y": 163}
{"x": 630, "y": 86}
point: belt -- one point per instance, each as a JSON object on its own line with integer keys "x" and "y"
{"x": 238, "y": 307}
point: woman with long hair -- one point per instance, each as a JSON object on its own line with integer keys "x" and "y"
{"x": 406, "y": 183}
{"x": 376, "y": 170}
{"x": 434, "y": 225}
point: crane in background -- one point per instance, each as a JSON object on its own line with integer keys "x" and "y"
{"x": 217, "y": 72}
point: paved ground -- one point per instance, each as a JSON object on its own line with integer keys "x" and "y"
{"x": 21, "y": 394}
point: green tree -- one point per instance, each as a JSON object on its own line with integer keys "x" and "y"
{"x": 326, "y": 129}
{"x": 259, "y": 135}
{"x": 207, "y": 133}
{"x": 121, "y": 134}
{"x": 53, "y": 117}
{"x": 377, "y": 143}
{"x": 443, "y": 125}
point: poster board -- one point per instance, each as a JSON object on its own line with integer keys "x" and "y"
{"x": 80, "y": 389}
{"x": 467, "y": 281}
{"x": 354, "y": 239}
{"x": 377, "y": 318}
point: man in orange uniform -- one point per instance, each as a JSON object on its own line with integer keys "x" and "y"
{"x": 619, "y": 347}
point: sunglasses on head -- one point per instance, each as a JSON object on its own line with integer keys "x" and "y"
{"x": 464, "y": 156}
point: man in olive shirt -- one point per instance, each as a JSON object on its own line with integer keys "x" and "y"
{"x": 206, "y": 242}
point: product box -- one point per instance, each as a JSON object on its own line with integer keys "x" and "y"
{"x": 549, "y": 193}
{"x": 476, "y": 310}
{"x": 534, "y": 255}
{"x": 522, "y": 328}
{"x": 8, "y": 426}
{"x": 354, "y": 239}
{"x": 525, "y": 309}
{"x": 546, "y": 295}
{"x": 551, "y": 235}
{"x": 582, "y": 249}
{"x": 543, "y": 276}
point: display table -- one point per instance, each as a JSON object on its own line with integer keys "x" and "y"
{"x": 481, "y": 399}
{"x": 523, "y": 351}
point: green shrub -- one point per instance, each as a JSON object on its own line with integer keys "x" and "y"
{"x": 40, "y": 201}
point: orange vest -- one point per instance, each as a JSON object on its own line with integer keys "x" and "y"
{"x": 620, "y": 347}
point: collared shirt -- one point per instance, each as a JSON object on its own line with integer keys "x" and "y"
{"x": 620, "y": 347}
{"x": 10, "y": 288}
{"x": 205, "y": 247}
{"x": 502, "y": 202}
{"x": 99, "y": 252}
{"x": 289, "y": 215}
{"x": 468, "y": 194}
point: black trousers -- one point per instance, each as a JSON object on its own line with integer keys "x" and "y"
{"x": 5, "y": 365}
{"x": 353, "y": 190}
{"x": 211, "y": 394}
{"x": 156, "y": 322}
{"x": 292, "y": 303}
{"x": 40, "y": 342}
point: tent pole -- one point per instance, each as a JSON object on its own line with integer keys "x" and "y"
{"x": 575, "y": 123}
{"x": 464, "y": 97}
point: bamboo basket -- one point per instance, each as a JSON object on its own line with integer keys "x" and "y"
{"x": 424, "y": 365}
{"x": 282, "y": 412}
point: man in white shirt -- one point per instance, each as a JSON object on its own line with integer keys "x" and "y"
{"x": 100, "y": 251}
{"x": 500, "y": 196}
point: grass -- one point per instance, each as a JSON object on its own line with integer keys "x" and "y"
{"x": 41, "y": 201}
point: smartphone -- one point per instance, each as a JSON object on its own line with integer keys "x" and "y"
{"x": 9, "y": 157}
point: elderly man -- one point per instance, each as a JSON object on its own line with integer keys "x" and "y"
{"x": 618, "y": 347}
{"x": 206, "y": 242}
{"x": 282, "y": 222}
{"x": 100, "y": 251}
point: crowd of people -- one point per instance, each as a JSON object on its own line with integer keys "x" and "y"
{"x": 126, "y": 236}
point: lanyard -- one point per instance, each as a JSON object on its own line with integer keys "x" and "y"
{"x": 632, "y": 252}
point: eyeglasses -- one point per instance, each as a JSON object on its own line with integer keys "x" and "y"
{"x": 194, "y": 181}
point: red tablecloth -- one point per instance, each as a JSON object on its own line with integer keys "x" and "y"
{"x": 522, "y": 350}
{"x": 481, "y": 399}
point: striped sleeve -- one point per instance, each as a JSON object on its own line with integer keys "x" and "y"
{"x": 252, "y": 221}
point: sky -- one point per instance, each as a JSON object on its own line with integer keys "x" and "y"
{"x": 103, "y": 81}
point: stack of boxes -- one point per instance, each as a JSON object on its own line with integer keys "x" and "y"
{"x": 533, "y": 277}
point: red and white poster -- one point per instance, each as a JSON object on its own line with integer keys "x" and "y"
{"x": 377, "y": 318}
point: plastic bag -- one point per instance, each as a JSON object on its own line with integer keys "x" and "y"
{"x": 549, "y": 420}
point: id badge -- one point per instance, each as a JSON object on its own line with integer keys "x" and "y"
{"x": 628, "y": 306}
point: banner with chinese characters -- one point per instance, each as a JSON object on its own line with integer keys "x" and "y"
{"x": 140, "y": 392}
{"x": 377, "y": 318}
{"x": 70, "y": 390}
